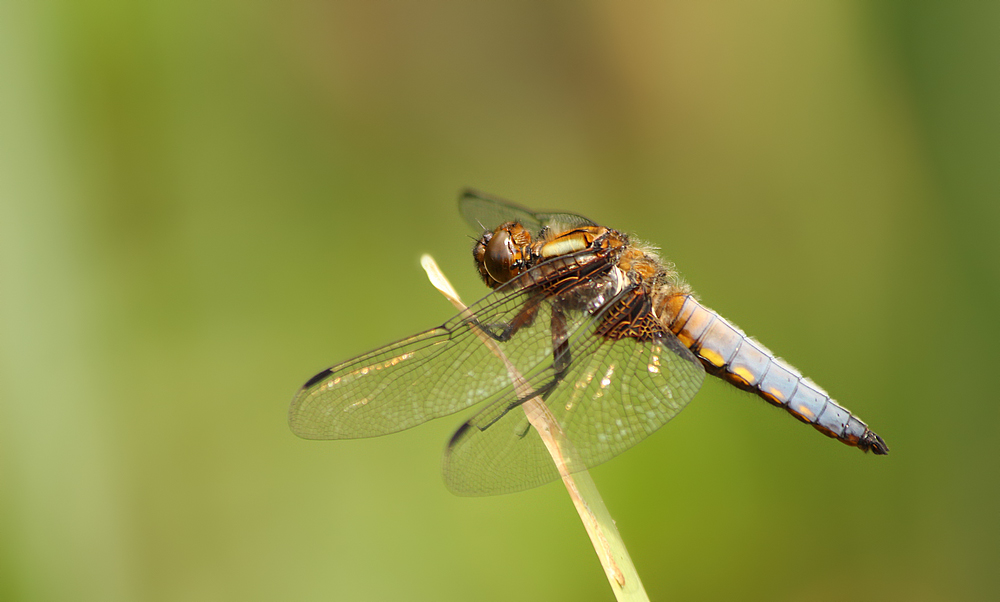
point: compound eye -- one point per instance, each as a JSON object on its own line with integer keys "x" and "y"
{"x": 502, "y": 259}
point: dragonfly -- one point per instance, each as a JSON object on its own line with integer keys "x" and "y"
{"x": 602, "y": 330}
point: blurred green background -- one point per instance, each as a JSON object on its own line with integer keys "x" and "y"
{"x": 203, "y": 204}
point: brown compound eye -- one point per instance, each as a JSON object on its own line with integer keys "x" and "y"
{"x": 503, "y": 253}
{"x": 503, "y": 259}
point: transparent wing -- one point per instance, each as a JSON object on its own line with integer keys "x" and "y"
{"x": 442, "y": 370}
{"x": 485, "y": 212}
{"x": 613, "y": 395}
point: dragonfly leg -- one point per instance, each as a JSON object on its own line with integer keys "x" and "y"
{"x": 542, "y": 392}
{"x": 503, "y": 332}
{"x": 561, "y": 355}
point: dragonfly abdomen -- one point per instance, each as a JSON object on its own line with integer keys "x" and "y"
{"x": 726, "y": 352}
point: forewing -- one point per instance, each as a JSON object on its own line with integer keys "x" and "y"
{"x": 485, "y": 212}
{"x": 613, "y": 395}
{"x": 431, "y": 374}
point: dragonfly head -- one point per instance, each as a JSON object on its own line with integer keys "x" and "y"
{"x": 503, "y": 253}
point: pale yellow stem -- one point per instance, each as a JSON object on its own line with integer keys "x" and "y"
{"x": 596, "y": 519}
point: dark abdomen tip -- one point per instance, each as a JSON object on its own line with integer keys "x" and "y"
{"x": 871, "y": 441}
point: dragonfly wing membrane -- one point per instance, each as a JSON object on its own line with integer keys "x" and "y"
{"x": 432, "y": 374}
{"x": 612, "y": 395}
{"x": 485, "y": 212}
{"x": 380, "y": 392}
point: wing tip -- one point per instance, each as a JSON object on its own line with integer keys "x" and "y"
{"x": 469, "y": 191}
{"x": 315, "y": 379}
{"x": 458, "y": 435}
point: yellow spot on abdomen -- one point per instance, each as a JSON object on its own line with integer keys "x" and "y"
{"x": 747, "y": 376}
{"x": 712, "y": 357}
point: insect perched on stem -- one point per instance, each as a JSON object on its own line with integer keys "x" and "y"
{"x": 603, "y": 331}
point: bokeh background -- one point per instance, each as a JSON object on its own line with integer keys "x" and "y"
{"x": 204, "y": 203}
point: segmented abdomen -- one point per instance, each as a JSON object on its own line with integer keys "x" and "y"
{"x": 728, "y": 353}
